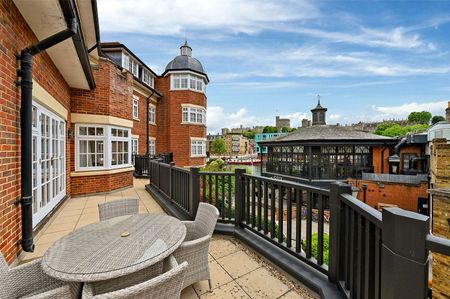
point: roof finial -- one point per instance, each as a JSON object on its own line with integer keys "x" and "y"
{"x": 318, "y": 99}
{"x": 186, "y": 49}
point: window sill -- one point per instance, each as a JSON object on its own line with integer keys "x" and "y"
{"x": 200, "y": 156}
{"x": 188, "y": 89}
{"x": 136, "y": 119}
{"x": 190, "y": 123}
{"x": 81, "y": 173}
{"x": 152, "y": 123}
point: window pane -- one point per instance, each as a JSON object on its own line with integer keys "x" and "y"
{"x": 83, "y": 147}
{"x": 83, "y": 160}
{"x": 82, "y": 131}
{"x": 114, "y": 132}
{"x": 91, "y": 131}
{"x": 99, "y": 131}
{"x": 91, "y": 146}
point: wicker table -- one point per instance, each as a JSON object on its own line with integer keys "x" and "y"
{"x": 102, "y": 251}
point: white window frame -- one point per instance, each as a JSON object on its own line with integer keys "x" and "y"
{"x": 152, "y": 146}
{"x": 151, "y": 114}
{"x": 193, "y": 114}
{"x": 135, "y": 107}
{"x": 134, "y": 148}
{"x": 187, "y": 81}
{"x": 147, "y": 77}
{"x": 126, "y": 61}
{"x": 107, "y": 139}
{"x": 112, "y": 139}
{"x": 198, "y": 147}
{"x": 134, "y": 67}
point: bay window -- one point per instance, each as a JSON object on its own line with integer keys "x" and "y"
{"x": 187, "y": 81}
{"x": 193, "y": 114}
{"x": 198, "y": 147}
{"x": 102, "y": 147}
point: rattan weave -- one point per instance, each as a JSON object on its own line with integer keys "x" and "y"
{"x": 98, "y": 251}
{"x": 29, "y": 281}
{"x": 195, "y": 248}
{"x": 156, "y": 282}
{"x": 116, "y": 208}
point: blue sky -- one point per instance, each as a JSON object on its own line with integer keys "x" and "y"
{"x": 369, "y": 60}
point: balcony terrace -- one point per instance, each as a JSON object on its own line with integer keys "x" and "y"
{"x": 237, "y": 271}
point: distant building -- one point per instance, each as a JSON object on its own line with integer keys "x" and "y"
{"x": 306, "y": 122}
{"x": 391, "y": 171}
{"x": 372, "y": 126}
{"x": 263, "y": 137}
{"x": 237, "y": 145}
{"x": 281, "y": 123}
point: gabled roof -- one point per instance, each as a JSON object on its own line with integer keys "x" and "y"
{"x": 327, "y": 133}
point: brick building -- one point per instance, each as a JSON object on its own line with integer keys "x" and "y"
{"x": 74, "y": 129}
{"x": 385, "y": 170}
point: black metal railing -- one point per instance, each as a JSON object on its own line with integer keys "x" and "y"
{"x": 293, "y": 216}
{"x": 141, "y": 163}
{"x": 365, "y": 253}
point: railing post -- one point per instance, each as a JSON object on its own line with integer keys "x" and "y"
{"x": 404, "y": 256}
{"x": 194, "y": 189}
{"x": 159, "y": 174}
{"x": 336, "y": 230}
{"x": 171, "y": 164}
{"x": 239, "y": 196}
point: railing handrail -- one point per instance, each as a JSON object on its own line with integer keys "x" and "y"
{"x": 438, "y": 245}
{"x": 216, "y": 173}
{"x": 290, "y": 184}
{"x": 363, "y": 209}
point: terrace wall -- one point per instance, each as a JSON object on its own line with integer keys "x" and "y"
{"x": 15, "y": 35}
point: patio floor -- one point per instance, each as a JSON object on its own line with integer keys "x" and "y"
{"x": 237, "y": 271}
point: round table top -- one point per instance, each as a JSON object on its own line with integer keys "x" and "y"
{"x": 102, "y": 251}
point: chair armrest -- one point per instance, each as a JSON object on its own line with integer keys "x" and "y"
{"x": 190, "y": 230}
{"x": 60, "y": 292}
{"x": 196, "y": 243}
{"x": 30, "y": 278}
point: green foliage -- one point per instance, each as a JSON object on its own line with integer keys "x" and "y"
{"x": 436, "y": 119}
{"x": 285, "y": 130}
{"x": 422, "y": 117}
{"x": 315, "y": 247}
{"x": 215, "y": 166}
{"x": 219, "y": 147}
{"x": 270, "y": 129}
{"x": 391, "y": 129}
{"x": 249, "y": 134}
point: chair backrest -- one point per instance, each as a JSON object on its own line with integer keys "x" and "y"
{"x": 165, "y": 286}
{"x": 116, "y": 208}
{"x": 206, "y": 219}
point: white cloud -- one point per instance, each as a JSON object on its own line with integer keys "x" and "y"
{"x": 180, "y": 17}
{"x": 402, "y": 111}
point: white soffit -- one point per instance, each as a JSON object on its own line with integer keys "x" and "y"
{"x": 88, "y": 25}
{"x": 45, "y": 18}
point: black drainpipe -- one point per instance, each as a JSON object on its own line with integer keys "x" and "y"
{"x": 26, "y": 89}
{"x": 148, "y": 135}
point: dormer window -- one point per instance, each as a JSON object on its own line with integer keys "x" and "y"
{"x": 134, "y": 68}
{"x": 125, "y": 61}
{"x": 147, "y": 78}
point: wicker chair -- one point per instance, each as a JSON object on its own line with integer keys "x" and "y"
{"x": 29, "y": 281}
{"x": 116, "y": 208}
{"x": 161, "y": 281}
{"x": 195, "y": 247}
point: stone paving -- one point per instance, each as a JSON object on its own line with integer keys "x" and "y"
{"x": 237, "y": 271}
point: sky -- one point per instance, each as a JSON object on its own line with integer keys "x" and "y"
{"x": 368, "y": 60}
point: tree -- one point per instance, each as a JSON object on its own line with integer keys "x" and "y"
{"x": 391, "y": 129}
{"x": 219, "y": 147}
{"x": 422, "y": 117}
{"x": 285, "y": 130}
{"x": 436, "y": 119}
{"x": 249, "y": 134}
{"x": 270, "y": 129}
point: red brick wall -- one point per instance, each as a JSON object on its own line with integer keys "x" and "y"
{"x": 403, "y": 195}
{"x": 101, "y": 183}
{"x": 172, "y": 136}
{"x": 112, "y": 95}
{"x": 378, "y": 155}
{"x": 15, "y": 35}
{"x": 140, "y": 126}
